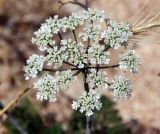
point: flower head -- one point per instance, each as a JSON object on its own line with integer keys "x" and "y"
{"x": 55, "y": 56}
{"x": 116, "y": 34}
{"x": 75, "y": 52}
{"x": 90, "y": 32}
{"x": 88, "y": 102}
{"x": 34, "y": 65}
{"x": 94, "y": 15}
{"x": 43, "y": 36}
{"x": 71, "y": 22}
{"x": 121, "y": 88}
{"x": 97, "y": 55}
{"x": 46, "y": 88}
{"x": 97, "y": 79}
{"x": 64, "y": 79}
{"x": 130, "y": 61}
{"x": 64, "y": 58}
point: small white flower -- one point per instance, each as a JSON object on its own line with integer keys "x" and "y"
{"x": 97, "y": 55}
{"x": 75, "y": 105}
{"x": 34, "y": 65}
{"x": 94, "y": 15}
{"x": 64, "y": 79}
{"x": 130, "y": 61}
{"x": 54, "y": 24}
{"x": 97, "y": 79}
{"x": 121, "y": 88}
{"x": 43, "y": 36}
{"x": 116, "y": 34}
{"x": 46, "y": 88}
{"x": 91, "y": 32}
{"x": 55, "y": 56}
{"x": 88, "y": 102}
{"x": 75, "y": 52}
{"x": 71, "y": 22}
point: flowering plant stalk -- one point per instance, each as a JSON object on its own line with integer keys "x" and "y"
{"x": 86, "y": 52}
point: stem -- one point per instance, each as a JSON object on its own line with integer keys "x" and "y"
{"x": 105, "y": 67}
{"x": 77, "y": 73}
{"x": 13, "y": 102}
{"x": 88, "y": 124}
{"x": 60, "y": 36}
{"x": 69, "y": 63}
{"x": 75, "y": 37}
{"x": 96, "y": 67}
{"x": 52, "y": 70}
{"x": 88, "y": 118}
{"x": 86, "y": 86}
{"x": 14, "y": 121}
{"x": 86, "y": 5}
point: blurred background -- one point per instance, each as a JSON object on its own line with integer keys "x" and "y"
{"x": 138, "y": 115}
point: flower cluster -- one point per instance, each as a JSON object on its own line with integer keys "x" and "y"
{"x": 87, "y": 53}
{"x": 55, "y": 57}
{"x": 46, "y": 88}
{"x": 34, "y": 65}
{"x": 75, "y": 52}
{"x": 121, "y": 88}
{"x": 49, "y": 86}
{"x": 97, "y": 79}
{"x": 91, "y": 33}
{"x": 88, "y": 102}
{"x": 97, "y": 55}
{"x": 94, "y": 15}
{"x": 130, "y": 61}
{"x": 116, "y": 34}
{"x": 71, "y": 22}
{"x": 64, "y": 79}
{"x": 43, "y": 36}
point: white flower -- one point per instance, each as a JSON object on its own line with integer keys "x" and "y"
{"x": 43, "y": 36}
{"x": 71, "y": 23}
{"x": 75, "y": 52}
{"x": 64, "y": 79}
{"x": 97, "y": 55}
{"x": 130, "y": 61}
{"x": 116, "y": 34}
{"x": 88, "y": 102}
{"x": 34, "y": 65}
{"x": 75, "y": 105}
{"x": 55, "y": 56}
{"x": 91, "y": 32}
{"x": 97, "y": 79}
{"x": 54, "y": 24}
{"x": 88, "y": 56}
{"x": 94, "y": 15}
{"x": 46, "y": 88}
{"x": 121, "y": 88}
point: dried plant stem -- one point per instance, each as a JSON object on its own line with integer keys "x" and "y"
{"x": 14, "y": 121}
{"x": 13, "y": 102}
{"x": 145, "y": 27}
